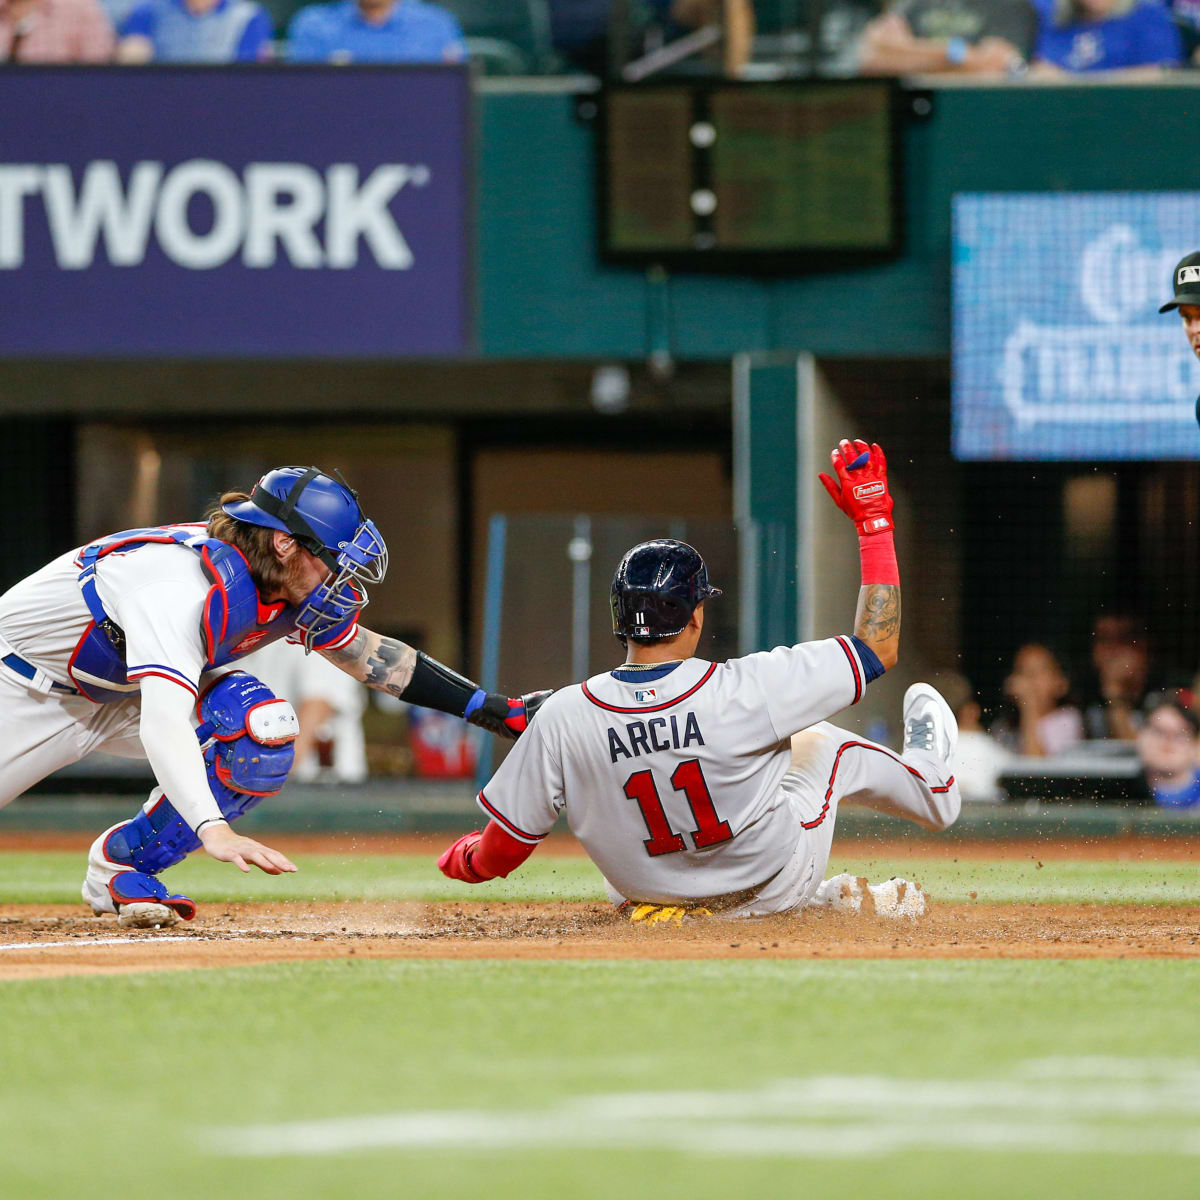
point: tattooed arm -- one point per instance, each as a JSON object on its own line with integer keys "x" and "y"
{"x": 877, "y": 621}
{"x": 383, "y": 663}
{"x": 391, "y": 666}
{"x": 859, "y": 487}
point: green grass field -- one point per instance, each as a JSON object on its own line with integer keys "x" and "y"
{"x": 53, "y": 878}
{"x": 439, "y": 1078}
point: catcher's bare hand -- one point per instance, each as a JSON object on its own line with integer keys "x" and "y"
{"x": 224, "y": 845}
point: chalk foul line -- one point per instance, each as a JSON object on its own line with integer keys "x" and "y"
{"x": 1073, "y": 1106}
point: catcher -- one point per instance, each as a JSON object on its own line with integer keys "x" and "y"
{"x": 126, "y": 646}
{"x": 700, "y": 785}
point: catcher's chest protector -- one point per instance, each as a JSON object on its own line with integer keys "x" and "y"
{"x": 233, "y": 622}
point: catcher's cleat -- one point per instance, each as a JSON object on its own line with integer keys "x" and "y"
{"x": 143, "y": 902}
{"x": 665, "y": 914}
{"x": 146, "y": 916}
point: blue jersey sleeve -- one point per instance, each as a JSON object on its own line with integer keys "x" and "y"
{"x": 454, "y": 48}
{"x": 1158, "y": 39}
{"x": 307, "y": 40}
{"x": 256, "y": 37}
{"x": 141, "y": 22}
{"x": 870, "y": 660}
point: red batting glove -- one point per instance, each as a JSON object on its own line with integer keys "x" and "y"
{"x": 861, "y": 489}
{"x": 455, "y": 863}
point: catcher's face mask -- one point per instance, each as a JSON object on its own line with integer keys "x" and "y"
{"x": 361, "y": 561}
{"x": 324, "y": 517}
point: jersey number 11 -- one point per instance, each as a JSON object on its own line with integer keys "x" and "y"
{"x": 689, "y": 779}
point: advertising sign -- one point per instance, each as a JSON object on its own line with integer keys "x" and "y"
{"x": 254, "y": 212}
{"x": 1059, "y": 351}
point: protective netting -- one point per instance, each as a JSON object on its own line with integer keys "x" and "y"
{"x": 1080, "y": 530}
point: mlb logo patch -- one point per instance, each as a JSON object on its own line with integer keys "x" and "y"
{"x": 644, "y": 694}
{"x": 1187, "y": 275}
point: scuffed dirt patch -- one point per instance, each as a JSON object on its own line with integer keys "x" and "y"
{"x": 40, "y": 941}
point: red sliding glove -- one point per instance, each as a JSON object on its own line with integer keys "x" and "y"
{"x": 861, "y": 489}
{"x": 478, "y": 857}
{"x": 861, "y": 492}
{"x": 455, "y": 863}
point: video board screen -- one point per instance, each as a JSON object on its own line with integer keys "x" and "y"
{"x": 749, "y": 175}
{"x": 1059, "y": 350}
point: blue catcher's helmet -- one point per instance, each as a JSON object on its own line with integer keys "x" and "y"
{"x": 323, "y": 515}
{"x": 656, "y": 589}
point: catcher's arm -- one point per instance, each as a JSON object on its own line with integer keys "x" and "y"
{"x": 860, "y": 490}
{"x": 178, "y": 764}
{"x": 390, "y": 665}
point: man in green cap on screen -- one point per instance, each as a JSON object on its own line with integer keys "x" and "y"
{"x": 1186, "y": 280}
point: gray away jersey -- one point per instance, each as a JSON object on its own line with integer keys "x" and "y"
{"x": 672, "y": 784}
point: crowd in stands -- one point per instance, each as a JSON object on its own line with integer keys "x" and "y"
{"x": 1124, "y": 703}
{"x": 1035, "y": 39}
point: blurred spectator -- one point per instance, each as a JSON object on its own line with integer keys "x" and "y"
{"x": 579, "y": 29}
{"x": 196, "y": 31}
{"x": 54, "y": 31}
{"x": 1121, "y": 661}
{"x": 329, "y": 705}
{"x": 443, "y": 746}
{"x": 1186, "y": 15}
{"x": 1046, "y": 722}
{"x": 965, "y": 37}
{"x": 1133, "y": 37}
{"x": 375, "y": 31}
{"x": 979, "y": 759}
{"x": 1168, "y": 746}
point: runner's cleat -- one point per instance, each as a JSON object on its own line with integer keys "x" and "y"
{"x": 897, "y": 898}
{"x": 891, "y": 900}
{"x": 665, "y": 914}
{"x": 929, "y": 725}
{"x": 841, "y": 893}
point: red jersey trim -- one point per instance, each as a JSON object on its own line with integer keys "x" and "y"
{"x": 939, "y": 788}
{"x": 855, "y": 669}
{"x": 652, "y": 707}
{"x": 163, "y": 675}
{"x": 506, "y": 824}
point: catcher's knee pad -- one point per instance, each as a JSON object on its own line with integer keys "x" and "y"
{"x": 136, "y": 887}
{"x": 248, "y": 735}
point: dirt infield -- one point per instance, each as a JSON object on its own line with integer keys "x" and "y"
{"x": 41, "y": 941}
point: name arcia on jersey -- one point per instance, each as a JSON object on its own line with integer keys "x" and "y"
{"x": 658, "y": 733}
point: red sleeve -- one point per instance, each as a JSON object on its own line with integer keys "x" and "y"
{"x": 498, "y": 853}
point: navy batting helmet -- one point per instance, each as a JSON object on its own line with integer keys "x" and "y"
{"x": 656, "y": 589}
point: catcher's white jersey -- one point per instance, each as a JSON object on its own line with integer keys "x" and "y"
{"x": 155, "y": 594}
{"x": 664, "y": 773}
